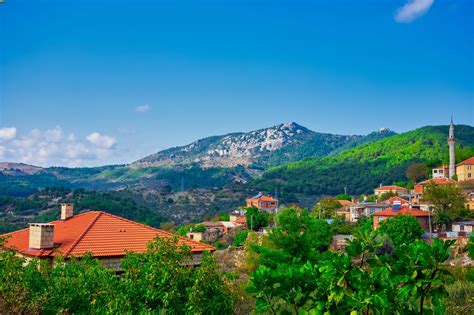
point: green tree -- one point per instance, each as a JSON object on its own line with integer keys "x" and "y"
{"x": 300, "y": 234}
{"x": 401, "y": 229}
{"x": 344, "y": 197}
{"x": 368, "y": 278}
{"x": 416, "y": 172}
{"x": 470, "y": 246}
{"x": 240, "y": 238}
{"x": 448, "y": 203}
{"x": 326, "y": 208}
{"x": 256, "y": 219}
{"x": 168, "y": 226}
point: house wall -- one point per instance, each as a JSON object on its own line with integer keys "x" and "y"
{"x": 462, "y": 228}
{"x": 465, "y": 172}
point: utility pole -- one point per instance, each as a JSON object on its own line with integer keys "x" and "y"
{"x": 345, "y": 190}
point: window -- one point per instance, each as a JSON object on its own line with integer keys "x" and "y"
{"x": 461, "y": 227}
{"x": 469, "y": 175}
{"x": 191, "y": 236}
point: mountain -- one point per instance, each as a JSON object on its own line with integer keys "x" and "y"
{"x": 261, "y": 148}
{"x": 18, "y": 169}
{"x": 364, "y": 167}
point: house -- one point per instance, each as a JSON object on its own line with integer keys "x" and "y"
{"x": 397, "y": 200}
{"x": 239, "y": 220}
{"x": 423, "y": 217}
{"x": 390, "y": 189}
{"x": 465, "y": 169}
{"x": 463, "y": 226}
{"x": 440, "y": 172}
{"x": 106, "y": 236}
{"x": 344, "y": 210}
{"x": 365, "y": 209}
{"x": 262, "y": 202}
{"x": 419, "y": 188}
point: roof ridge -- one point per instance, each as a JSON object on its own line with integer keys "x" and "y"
{"x": 154, "y": 229}
{"x": 99, "y": 213}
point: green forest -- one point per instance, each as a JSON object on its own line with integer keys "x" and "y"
{"x": 365, "y": 167}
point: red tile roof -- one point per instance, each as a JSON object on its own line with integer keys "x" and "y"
{"x": 396, "y": 198}
{"x": 344, "y": 202}
{"x": 263, "y": 198}
{"x": 403, "y": 210}
{"x": 438, "y": 181}
{"x": 241, "y": 220}
{"x": 392, "y": 187}
{"x": 98, "y": 232}
{"x": 469, "y": 161}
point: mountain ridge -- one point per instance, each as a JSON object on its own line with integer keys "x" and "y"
{"x": 256, "y": 147}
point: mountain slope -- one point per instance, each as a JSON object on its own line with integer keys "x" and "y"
{"x": 366, "y": 166}
{"x": 265, "y": 147}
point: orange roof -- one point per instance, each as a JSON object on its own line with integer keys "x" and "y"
{"x": 469, "y": 161}
{"x": 396, "y": 198}
{"x": 442, "y": 167}
{"x": 241, "y": 220}
{"x": 344, "y": 202}
{"x": 403, "y": 210}
{"x": 263, "y": 198}
{"x": 98, "y": 232}
{"x": 392, "y": 187}
{"x": 438, "y": 181}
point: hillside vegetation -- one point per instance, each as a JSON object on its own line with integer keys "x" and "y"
{"x": 364, "y": 167}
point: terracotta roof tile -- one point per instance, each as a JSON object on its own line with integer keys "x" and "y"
{"x": 469, "y": 161}
{"x": 98, "y": 232}
{"x": 390, "y": 187}
{"x": 438, "y": 181}
{"x": 403, "y": 210}
{"x": 344, "y": 202}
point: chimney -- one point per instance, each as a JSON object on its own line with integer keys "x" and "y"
{"x": 67, "y": 211}
{"x": 41, "y": 235}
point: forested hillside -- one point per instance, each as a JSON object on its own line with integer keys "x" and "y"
{"x": 44, "y": 206}
{"x": 364, "y": 167}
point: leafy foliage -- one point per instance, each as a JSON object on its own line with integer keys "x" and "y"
{"x": 369, "y": 278}
{"x": 448, "y": 202}
{"x": 256, "y": 219}
{"x": 155, "y": 281}
{"x": 401, "y": 229}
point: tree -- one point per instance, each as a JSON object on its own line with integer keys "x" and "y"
{"x": 401, "y": 229}
{"x": 417, "y": 172}
{"x": 256, "y": 219}
{"x": 470, "y": 246}
{"x": 448, "y": 203}
{"x": 300, "y": 234}
{"x": 326, "y": 208}
{"x": 156, "y": 281}
{"x": 168, "y": 226}
{"x": 240, "y": 238}
{"x": 344, "y": 197}
{"x": 366, "y": 279}
{"x": 386, "y": 195}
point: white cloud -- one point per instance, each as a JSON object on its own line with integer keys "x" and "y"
{"x": 412, "y": 10}
{"x": 55, "y": 147}
{"x": 7, "y": 133}
{"x": 143, "y": 108}
{"x": 99, "y": 140}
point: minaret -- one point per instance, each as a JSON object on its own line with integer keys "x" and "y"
{"x": 452, "y": 160}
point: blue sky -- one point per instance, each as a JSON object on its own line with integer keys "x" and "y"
{"x": 98, "y": 82}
